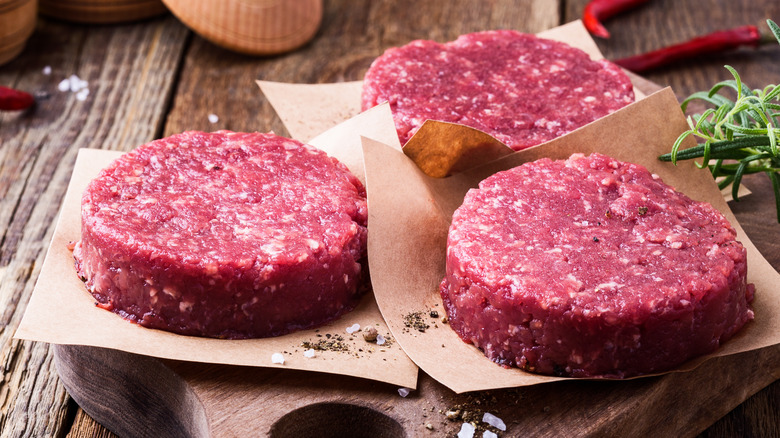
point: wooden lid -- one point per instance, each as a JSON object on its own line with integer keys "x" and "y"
{"x": 17, "y": 23}
{"x": 101, "y": 11}
{"x": 254, "y": 27}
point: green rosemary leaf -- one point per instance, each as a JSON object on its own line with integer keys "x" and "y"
{"x": 726, "y": 181}
{"x": 775, "y": 29}
{"x": 746, "y": 131}
{"x": 742, "y": 168}
{"x": 773, "y": 176}
{"x": 771, "y": 94}
{"x": 716, "y": 100}
{"x": 737, "y": 181}
{"x": 673, "y": 155}
{"x": 721, "y": 146}
{"x": 705, "y": 158}
{"x": 735, "y": 84}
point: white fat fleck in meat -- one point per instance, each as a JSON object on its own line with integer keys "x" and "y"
{"x": 171, "y": 292}
{"x": 609, "y": 285}
{"x": 313, "y": 244}
{"x": 211, "y": 268}
{"x": 714, "y": 249}
{"x": 185, "y": 306}
{"x": 273, "y": 247}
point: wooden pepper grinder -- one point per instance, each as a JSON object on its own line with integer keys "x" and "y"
{"x": 101, "y": 11}
{"x": 254, "y": 27}
{"x": 17, "y": 23}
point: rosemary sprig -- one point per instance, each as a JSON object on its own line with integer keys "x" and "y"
{"x": 736, "y": 137}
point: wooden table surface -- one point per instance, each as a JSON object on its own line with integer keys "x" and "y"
{"x": 155, "y": 78}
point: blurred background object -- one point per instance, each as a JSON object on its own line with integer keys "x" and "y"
{"x": 101, "y": 11}
{"x": 17, "y": 23}
{"x": 253, "y": 27}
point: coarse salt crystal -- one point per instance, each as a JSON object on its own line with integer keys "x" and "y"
{"x": 213, "y": 118}
{"x": 353, "y": 328}
{"x": 380, "y": 340}
{"x": 489, "y": 434}
{"x": 403, "y": 392}
{"x": 493, "y": 421}
{"x": 47, "y": 70}
{"x": 467, "y": 430}
{"x": 277, "y": 358}
{"x": 309, "y": 353}
{"x": 82, "y": 94}
{"x": 76, "y": 83}
{"x": 64, "y": 85}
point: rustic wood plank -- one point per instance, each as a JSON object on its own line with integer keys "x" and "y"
{"x": 85, "y": 427}
{"x": 235, "y": 401}
{"x": 664, "y": 22}
{"x": 130, "y": 70}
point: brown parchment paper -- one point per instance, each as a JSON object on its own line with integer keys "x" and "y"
{"x": 61, "y": 311}
{"x": 410, "y": 214}
{"x": 309, "y": 109}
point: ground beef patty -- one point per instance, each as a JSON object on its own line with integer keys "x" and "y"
{"x": 229, "y": 235}
{"x": 592, "y": 267}
{"x": 519, "y": 88}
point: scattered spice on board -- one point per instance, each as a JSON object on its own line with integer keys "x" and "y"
{"x": 370, "y": 334}
{"x": 474, "y": 411}
{"x": 347, "y": 344}
{"x": 416, "y": 321}
{"x": 330, "y": 343}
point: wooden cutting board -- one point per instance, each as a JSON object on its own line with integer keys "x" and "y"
{"x": 136, "y": 395}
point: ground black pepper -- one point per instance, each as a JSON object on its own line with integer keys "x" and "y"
{"x": 415, "y": 321}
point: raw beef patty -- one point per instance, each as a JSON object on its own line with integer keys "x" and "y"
{"x": 519, "y": 88}
{"x": 592, "y": 267}
{"x": 228, "y": 235}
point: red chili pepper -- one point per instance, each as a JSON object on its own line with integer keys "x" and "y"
{"x": 710, "y": 43}
{"x": 598, "y": 10}
{"x": 14, "y": 100}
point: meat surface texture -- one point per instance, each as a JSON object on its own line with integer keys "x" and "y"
{"x": 521, "y": 89}
{"x": 227, "y": 235}
{"x": 592, "y": 267}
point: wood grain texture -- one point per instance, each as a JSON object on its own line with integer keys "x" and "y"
{"x": 201, "y": 400}
{"x": 130, "y": 71}
{"x": 662, "y": 23}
